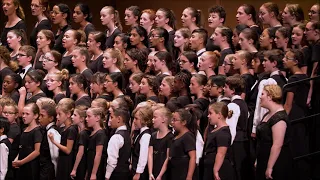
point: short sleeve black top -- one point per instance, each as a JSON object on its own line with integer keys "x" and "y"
{"x": 218, "y": 138}
{"x": 110, "y": 39}
{"x": 182, "y": 146}
{"x": 58, "y": 39}
{"x": 249, "y": 82}
{"x": 44, "y": 24}
{"x": 20, "y": 25}
{"x": 70, "y": 133}
{"x": 27, "y": 141}
{"x": 99, "y": 138}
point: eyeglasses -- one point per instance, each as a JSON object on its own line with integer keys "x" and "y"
{"x": 288, "y": 58}
{"x": 44, "y": 58}
{"x": 312, "y": 12}
{"x": 8, "y": 113}
{"x": 21, "y": 55}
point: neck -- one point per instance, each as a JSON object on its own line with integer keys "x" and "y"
{"x": 16, "y": 49}
{"x": 63, "y": 24}
{"x": 296, "y": 70}
{"x": 221, "y": 123}
{"x": 96, "y": 127}
{"x": 274, "y": 22}
{"x": 81, "y": 126}
{"x": 83, "y": 24}
{"x": 40, "y": 17}
{"x": 274, "y": 107}
{"x": 140, "y": 46}
{"x": 96, "y": 53}
{"x": 224, "y": 45}
{"x": 160, "y": 47}
{"x": 200, "y": 94}
{"x": 45, "y": 49}
{"x": 80, "y": 94}
{"x": 36, "y": 92}
{"x": 68, "y": 122}
{"x": 209, "y": 72}
{"x": 135, "y": 69}
{"x": 244, "y": 70}
{"x": 117, "y": 92}
{"x": 250, "y": 23}
{"x": 163, "y": 129}
{"x": 52, "y": 70}
{"x": 57, "y": 91}
{"x": 82, "y": 67}
{"x": 32, "y": 124}
{"x": 181, "y": 48}
{"x": 193, "y": 26}
{"x": 150, "y": 94}
{"x": 13, "y": 17}
{"x": 111, "y": 27}
{"x": 112, "y": 69}
{"x": 200, "y": 47}
{"x": 165, "y": 70}
{"x": 167, "y": 27}
{"x": 252, "y": 49}
{"x": 149, "y": 29}
{"x": 70, "y": 49}
{"x": 3, "y": 65}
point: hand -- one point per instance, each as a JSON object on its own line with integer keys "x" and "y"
{"x": 253, "y": 135}
{"x": 73, "y": 174}
{"x": 50, "y": 136}
{"x": 136, "y": 176}
{"x": 255, "y": 165}
{"x": 151, "y": 177}
{"x": 216, "y": 175}
{"x": 309, "y": 101}
{"x": 189, "y": 178}
{"x": 22, "y": 91}
{"x": 93, "y": 177}
{"x": 269, "y": 173}
{"x": 159, "y": 178}
{"x": 17, "y": 164}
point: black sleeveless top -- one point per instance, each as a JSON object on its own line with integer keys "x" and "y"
{"x": 124, "y": 153}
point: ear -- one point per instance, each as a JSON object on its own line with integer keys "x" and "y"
{"x": 16, "y": 85}
{"x": 98, "y": 44}
{"x": 64, "y": 15}
{"x": 250, "y": 41}
{"x": 221, "y": 20}
{"x": 38, "y": 84}
{"x": 60, "y": 83}
{"x": 115, "y": 83}
{"x": 184, "y": 123}
{"x": 166, "y": 20}
{"x": 141, "y": 38}
{"x": 250, "y": 16}
{"x": 193, "y": 19}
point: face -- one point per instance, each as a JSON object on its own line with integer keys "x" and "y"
{"x": 310, "y": 32}
{"x": 185, "y": 64}
{"x": 154, "y": 38}
{"x": 205, "y": 62}
{"x": 95, "y": 87}
{"x": 213, "y": 116}
{"x": 134, "y": 86}
{"x": 68, "y": 40}
{"x": 61, "y": 117}
{"x": 23, "y": 59}
{"x": 105, "y": 17}
{"x": 42, "y": 41}
{"x": 256, "y": 65}
{"x": 28, "y": 116}
{"x": 52, "y": 82}
{"x": 242, "y": 16}
{"x": 30, "y": 85}
{"x": 157, "y": 119}
{"x": 314, "y": 13}
{"x": 297, "y": 36}
{"x": 10, "y": 113}
{"x": 9, "y": 84}
{"x": 145, "y": 21}
{"x": 78, "y": 15}
{"x": 176, "y": 122}
{"x": 108, "y": 60}
{"x": 92, "y": 44}
{"x": 91, "y": 118}
{"x": 227, "y": 91}
{"x": 137, "y": 120}
{"x": 57, "y": 16}
{"x": 114, "y": 120}
{"x": 286, "y": 16}
{"x": 237, "y": 61}
{"x": 264, "y": 99}
{"x": 76, "y": 118}
{"x": 13, "y": 40}
{"x": 74, "y": 87}
{"x": 280, "y": 41}
{"x": 144, "y": 86}
{"x": 268, "y": 65}
{"x": 214, "y": 90}
{"x": 8, "y": 7}
{"x": 119, "y": 44}
{"x": 186, "y": 18}
{"x": 177, "y": 85}
{"x": 179, "y": 40}
{"x": 129, "y": 63}
{"x": 44, "y": 118}
{"x": 244, "y": 42}
{"x": 165, "y": 88}
{"x": 150, "y": 61}
{"x": 161, "y": 19}
{"x": 214, "y": 20}
{"x": 77, "y": 59}
{"x": 264, "y": 15}
{"x": 129, "y": 18}
{"x": 48, "y": 61}
{"x": 289, "y": 60}
{"x": 227, "y": 65}
{"x": 36, "y": 8}
{"x": 195, "y": 87}
{"x": 108, "y": 84}
{"x": 158, "y": 64}
{"x": 195, "y": 41}
{"x": 265, "y": 39}
{"x": 217, "y": 37}
{"x": 235, "y": 38}
{"x": 135, "y": 38}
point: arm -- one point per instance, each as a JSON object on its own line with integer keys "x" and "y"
{"x": 97, "y": 160}
{"x": 77, "y": 162}
{"x": 35, "y": 153}
{"x": 221, "y": 153}
{"x": 313, "y": 74}
{"x": 150, "y": 162}
{"x": 4, "y": 153}
{"x": 116, "y": 142}
{"x": 66, "y": 149}
{"x": 143, "y": 155}
{"x": 21, "y": 102}
{"x": 221, "y": 70}
{"x": 192, "y": 164}
{"x": 164, "y": 166}
{"x": 278, "y": 133}
{"x": 288, "y": 105}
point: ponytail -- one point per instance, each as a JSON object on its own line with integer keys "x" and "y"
{"x": 117, "y": 21}
{"x": 19, "y": 11}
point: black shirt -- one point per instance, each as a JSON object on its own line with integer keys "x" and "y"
{"x": 110, "y": 39}
{"x": 44, "y": 24}
{"x": 58, "y": 39}
{"x": 20, "y": 25}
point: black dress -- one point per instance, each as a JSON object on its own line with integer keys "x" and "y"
{"x": 58, "y": 97}
{"x": 93, "y": 65}
{"x": 58, "y": 40}
{"x": 216, "y": 139}
{"x": 66, "y": 63}
{"x": 84, "y": 100}
{"x": 34, "y": 98}
{"x": 66, "y": 161}
{"x": 179, "y": 157}
{"x": 282, "y": 168}
{"x": 97, "y": 139}
{"x": 249, "y": 82}
{"x": 110, "y": 39}
{"x": 83, "y": 141}
{"x": 160, "y": 148}
{"x": 20, "y": 25}
{"x": 30, "y": 170}
{"x": 44, "y": 24}
{"x": 14, "y": 133}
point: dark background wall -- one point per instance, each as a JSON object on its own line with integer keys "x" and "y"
{"x": 176, "y": 5}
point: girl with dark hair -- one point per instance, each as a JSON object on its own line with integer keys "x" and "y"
{"x": 122, "y": 42}
{"x": 292, "y": 14}
{"x": 40, "y": 9}
{"x": 181, "y": 88}
{"x": 159, "y": 40}
{"x": 222, "y": 37}
{"x": 45, "y": 42}
{"x": 132, "y": 15}
{"x": 246, "y": 14}
{"x": 110, "y": 18}
{"x": 181, "y": 40}
{"x": 188, "y": 60}
{"x": 134, "y": 85}
{"x": 147, "y": 19}
{"x": 191, "y": 18}
{"x": 31, "y": 90}
{"x": 166, "y": 19}
{"x": 269, "y": 15}
{"x": 299, "y": 42}
{"x": 197, "y": 86}
{"x": 96, "y": 45}
{"x": 11, "y": 83}
{"x": 82, "y": 16}
{"x": 149, "y": 87}
{"x": 71, "y": 39}
{"x": 114, "y": 84}
{"x": 266, "y": 40}
{"x": 162, "y": 63}
{"x": 14, "y": 11}
{"x": 235, "y": 37}
{"x": 248, "y": 40}
{"x": 5, "y": 64}
{"x": 78, "y": 85}
{"x": 30, "y": 142}
{"x": 283, "y": 38}
{"x": 56, "y": 83}
{"x": 15, "y": 39}
{"x": 97, "y": 87}
{"x": 182, "y": 154}
{"x": 139, "y": 38}
{"x": 135, "y": 61}
{"x": 61, "y": 16}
